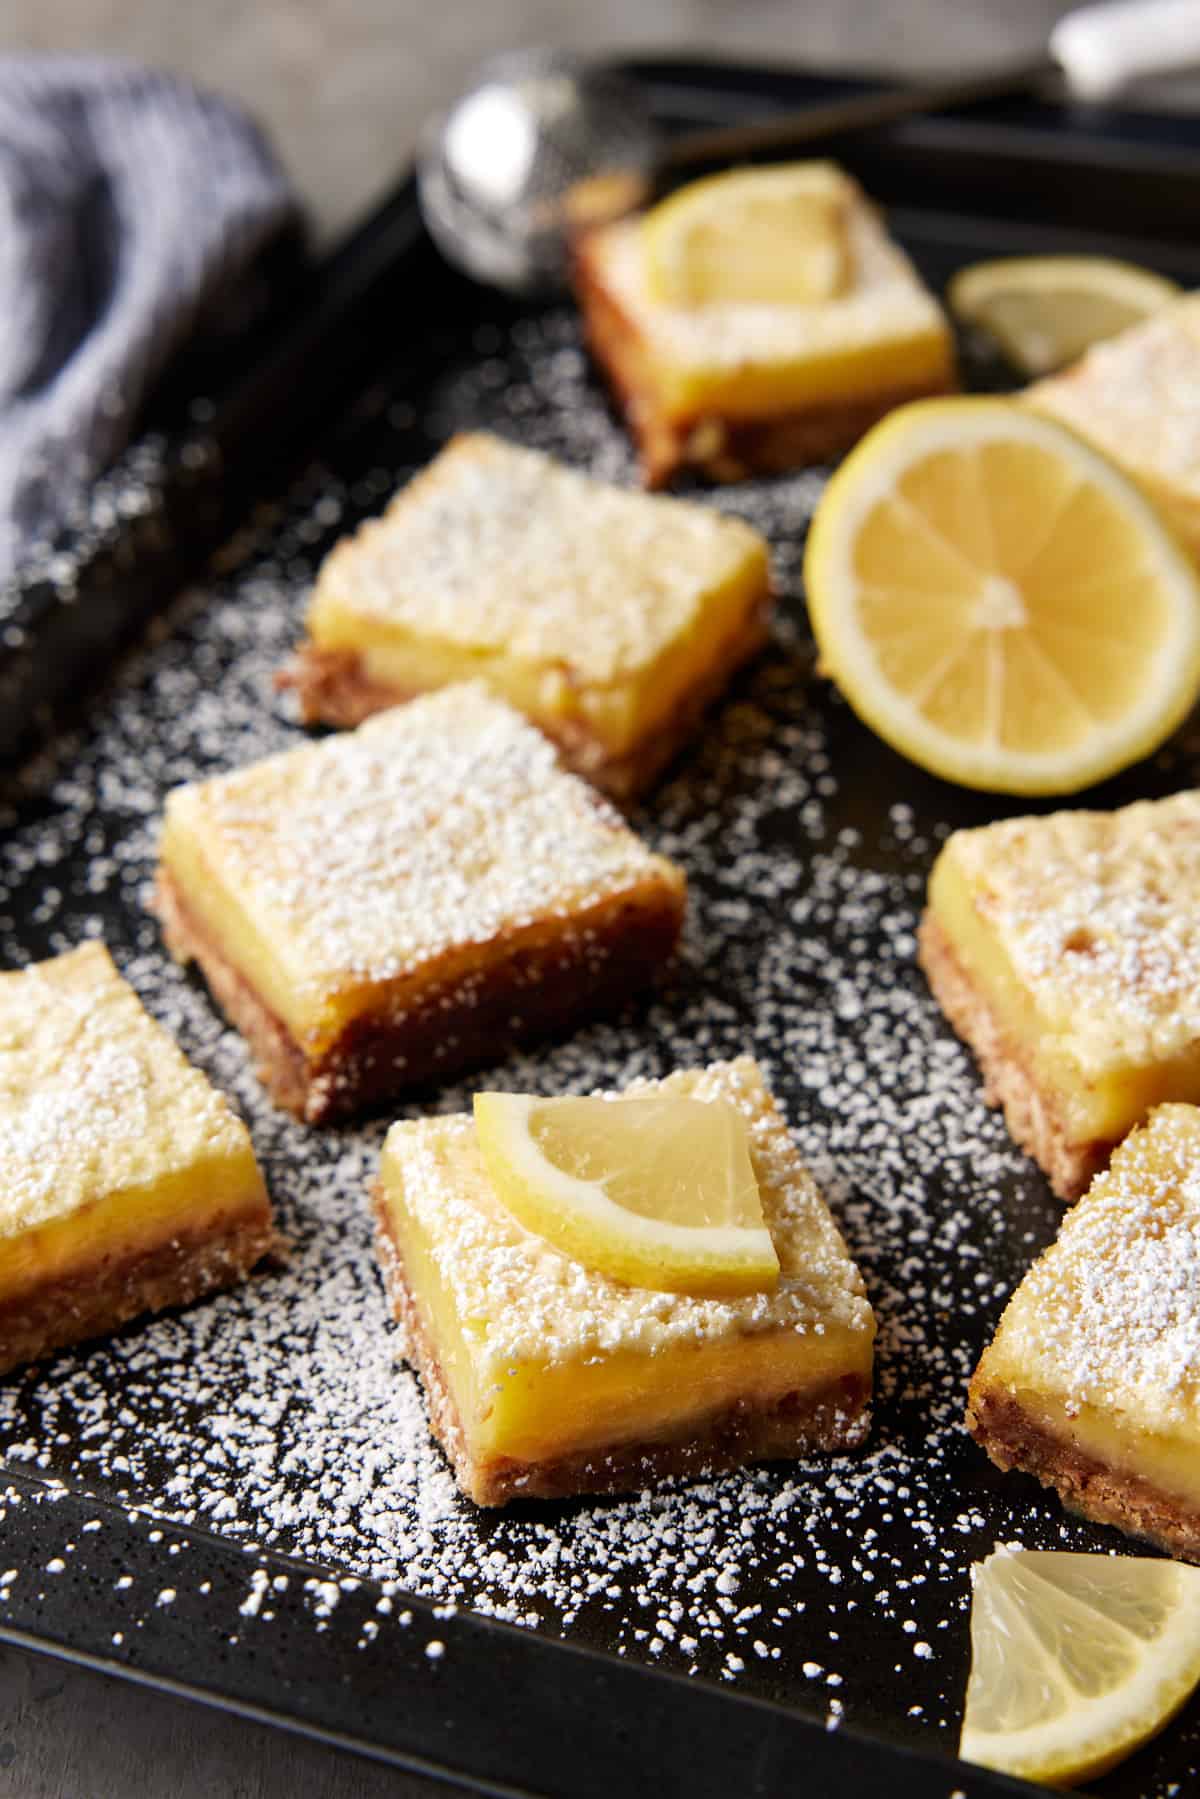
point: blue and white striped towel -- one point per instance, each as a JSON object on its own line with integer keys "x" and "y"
{"x": 130, "y": 204}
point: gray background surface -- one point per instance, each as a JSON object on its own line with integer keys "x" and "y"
{"x": 343, "y": 86}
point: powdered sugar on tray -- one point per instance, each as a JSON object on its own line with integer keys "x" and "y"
{"x": 279, "y": 1415}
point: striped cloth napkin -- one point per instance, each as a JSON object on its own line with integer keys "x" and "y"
{"x": 132, "y": 205}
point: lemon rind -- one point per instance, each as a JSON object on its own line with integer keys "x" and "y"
{"x": 704, "y": 1259}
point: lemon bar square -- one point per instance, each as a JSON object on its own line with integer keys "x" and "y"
{"x": 392, "y": 904}
{"x": 737, "y": 388}
{"x": 1135, "y": 399}
{"x": 1066, "y": 951}
{"x": 609, "y": 619}
{"x": 127, "y": 1183}
{"x": 1092, "y": 1380}
{"x": 545, "y": 1378}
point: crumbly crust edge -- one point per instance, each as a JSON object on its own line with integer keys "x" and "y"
{"x": 1011, "y": 1439}
{"x": 834, "y": 1416}
{"x": 95, "y": 1298}
{"x": 1029, "y": 1111}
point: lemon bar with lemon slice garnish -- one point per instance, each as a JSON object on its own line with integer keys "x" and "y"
{"x": 609, "y": 618}
{"x": 1066, "y": 951}
{"x": 1136, "y": 399}
{"x": 127, "y": 1182}
{"x": 1092, "y": 1380}
{"x": 1076, "y": 1660}
{"x": 392, "y": 904}
{"x": 758, "y": 320}
{"x": 600, "y": 1293}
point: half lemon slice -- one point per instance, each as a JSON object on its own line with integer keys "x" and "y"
{"x": 998, "y": 602}
{"x": 773, "y": 236}
{"x": 1076, "y": 1659}
{"x": 1045, "y": 311}
{"x": 658, "y": 1192}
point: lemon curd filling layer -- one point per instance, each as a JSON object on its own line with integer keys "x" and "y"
{"x": 1170, "y": 1463}
{"x": 1105, "y": 1018}
{"x": 543, "y": 1357}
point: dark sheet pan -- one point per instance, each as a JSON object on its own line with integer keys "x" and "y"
{"x": 242, "y": 1501}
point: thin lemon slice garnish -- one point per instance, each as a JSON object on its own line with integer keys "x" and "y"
{"x": 998, "y": 602}
{"x": 658, "y": 1191}
{"x": 773, "y": 236}
{"x": 1076, "y": 1659}
{"x": 1045, "y": 311}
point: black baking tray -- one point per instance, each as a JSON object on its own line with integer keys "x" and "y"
{"x": 740, "y": 1634}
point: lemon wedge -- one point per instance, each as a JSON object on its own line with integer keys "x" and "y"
{"x": 658, "y": 1192}
{"x": 998, "y": 602}
{"x": 1076, "y": 1659}
{"x": 1045, "y": 311}
{"x": 773, "y": 236}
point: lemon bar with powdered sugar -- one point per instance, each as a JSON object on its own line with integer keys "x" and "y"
{"x": 127, "y": 1182}
{"x": 740, "y": 387}
{"x": 545, "y": 1377}
{"x": 390, "y": 905}
{"x": 1092, "y": 1381}
{"x": 609, "y": 619}
{"x": 1066, "y": 951}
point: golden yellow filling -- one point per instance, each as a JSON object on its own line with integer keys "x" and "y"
{"x": 766, "y": 389}
{"x": 1100, "y": 1106}
{"x": 619, "y": 714}
{"x": 119, "y": 1226}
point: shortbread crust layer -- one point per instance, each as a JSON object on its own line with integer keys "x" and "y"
{"x": 1029, "y": 1109}
{"x": 99, "y": 1296}
{"x": 832, "y": 1416}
